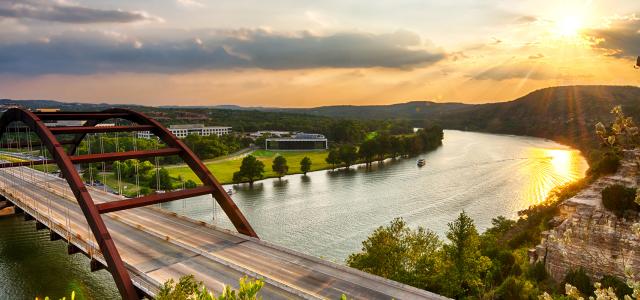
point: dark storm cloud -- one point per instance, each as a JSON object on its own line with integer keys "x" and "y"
{"x": 93, "y": 52}
{"x": 621, "y": 38}
{"x": 44, "y": 10}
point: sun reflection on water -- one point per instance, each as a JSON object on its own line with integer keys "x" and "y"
{"x": 549, "y": 168}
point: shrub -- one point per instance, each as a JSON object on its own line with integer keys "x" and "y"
{"x": 515, "y": 288}
{"x": 608, "y": 164}
{"x": 618, "y": 285}
{"x": 537, "y": 272}
{"x": 188, "y": 287}
{"x": 580, "y": 280}
{"x": 618, "y": 198}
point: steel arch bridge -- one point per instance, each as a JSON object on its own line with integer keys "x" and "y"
{"x": 66, "y": 158}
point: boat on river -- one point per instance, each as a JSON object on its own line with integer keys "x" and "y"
{"x": 421, "y": 162}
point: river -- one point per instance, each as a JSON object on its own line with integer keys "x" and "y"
{"x": 329, "y": 213}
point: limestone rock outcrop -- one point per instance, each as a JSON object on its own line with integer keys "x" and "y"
{"x": 587, "y": 235}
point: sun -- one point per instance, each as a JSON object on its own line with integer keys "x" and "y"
{"x": 569, "y": 26}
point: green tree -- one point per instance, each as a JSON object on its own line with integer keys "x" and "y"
{"x": 383, "y": 148}
{"x": 165, "y": 181}
{"x": 367, "y": 151}
{"x": 464, "y": 264}
{"x": 145, "y": 169}
{"x": 250, "y": 170}
{"x": 348, "y": 155}
{"x": 396, "y": 146}
{"x": 90, "y": 173}
{"x": 333, "y": 158}
{"x": 305, "y": 165}
{"x": 188, "y": 287}
{"x": 401, "y": 254}
{"x": 280, "y": 166}
{"x": 189, "y": 184}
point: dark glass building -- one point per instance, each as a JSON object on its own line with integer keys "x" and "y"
{"x": 299, "y": 141}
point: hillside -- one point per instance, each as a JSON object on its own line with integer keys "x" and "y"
{"x": 565, "y": 114}
{"x": 413, "y": 110}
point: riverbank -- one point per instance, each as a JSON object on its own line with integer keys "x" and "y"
{"x": 223, "y": 169}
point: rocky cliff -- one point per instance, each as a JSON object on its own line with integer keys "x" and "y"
{"x": 587, "y": 235}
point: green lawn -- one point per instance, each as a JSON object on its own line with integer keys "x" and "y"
{"x": 49, "y": 167}
{"x": 223, "y": 170}
{"x": 129, "y": 189}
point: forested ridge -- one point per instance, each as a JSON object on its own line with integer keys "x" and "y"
{"x": 565, "y": 114}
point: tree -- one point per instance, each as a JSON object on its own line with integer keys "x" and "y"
{"x": 189, "y": 184}
{"x": 280, "y": 166}
{"x": 464, "y": 264}
{"x": 396, "y": 146}
{"x": 145, "y": 168}
{"x": 383, "y": 141}
{"x": 188, "y": 287}
{"x": 333, "y": 158}
{"x": 367, "y": 151}
{"x": 250, "y": 170}
{"x": 401, "y": 254}
{"x": 305, "y": 165}
{"x": 161, "y": 177}
{"x": 90, "y": 174}
{"x": 348, "y": 155}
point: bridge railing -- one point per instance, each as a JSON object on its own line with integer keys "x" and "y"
{"x": 87, "y": 245}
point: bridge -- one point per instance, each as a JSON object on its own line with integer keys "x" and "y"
{"x": 143, "y": 246}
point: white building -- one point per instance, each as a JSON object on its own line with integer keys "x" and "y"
{"x": 183, "y": 130}
{"x": 274, "y": 133}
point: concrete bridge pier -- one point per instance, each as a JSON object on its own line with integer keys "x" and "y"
{"x": 6, "y": 207}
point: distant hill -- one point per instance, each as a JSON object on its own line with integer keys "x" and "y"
{"x": 566, "y": 114}
{"x": 411, "y": 110}
{"x": 68, "y": 106}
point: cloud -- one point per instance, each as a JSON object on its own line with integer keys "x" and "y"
{"x": 620, "y": 38}
{"x": 525, "y": 19}
{"x": 94, "y": 52}
{"x": 190, "y": 3}
{"x": 536, "y": 56}
{"x": 50, "y": 11}
{"x": 513, "y": 71}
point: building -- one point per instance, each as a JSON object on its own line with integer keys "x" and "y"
{"x": 299, "y": 141}
{"x": 272, "y": 133}
{"x": 183, "y": 130}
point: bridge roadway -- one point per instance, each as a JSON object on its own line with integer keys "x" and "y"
{"x": 157, "y": 245}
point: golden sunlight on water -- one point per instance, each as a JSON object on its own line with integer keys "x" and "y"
{"x": 549, "y": 168}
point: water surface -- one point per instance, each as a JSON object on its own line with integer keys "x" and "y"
{"x": 329, "y": 213}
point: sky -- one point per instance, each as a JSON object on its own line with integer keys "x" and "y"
{"x": 296, "y": 53}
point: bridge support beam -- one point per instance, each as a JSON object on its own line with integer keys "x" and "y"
{"x": 54, "y": 236}
{"x": 40, "y": 226}
{"x": 72, "y": 249}
{"x": 96, "y": 265}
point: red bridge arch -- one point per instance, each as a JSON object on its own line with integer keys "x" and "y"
{"x": 66, "y": 158}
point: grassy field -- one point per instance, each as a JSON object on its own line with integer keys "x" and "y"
{"x": 223, "y": 170}
{"x": 49, "y": 167}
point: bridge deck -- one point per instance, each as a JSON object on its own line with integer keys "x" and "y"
{"x": 157, "y": 245}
